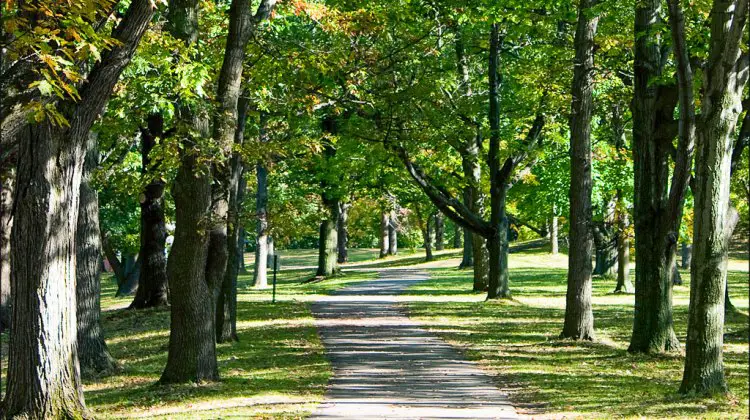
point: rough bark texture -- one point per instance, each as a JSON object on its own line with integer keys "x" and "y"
{"x": 342, "y": 232}
{"x": 439, "y": 231}
{"x": 6, "y": 224}
{"x": 262, "y": 238}
{"x": 226, "y": 304}
{"x": 152, "y": 283}
{"x": 43, "y": 378}
{"x": 192, "y": 339}
{"x": 579, "y": 318}
{"x": 726, "y": 76}
{"x": 327, "y": 247}
{"x": 384, "y": 243}
{"x": 93, "y": 355}
{"x": 656, "y": 216}
{"x": 605, "y": 242}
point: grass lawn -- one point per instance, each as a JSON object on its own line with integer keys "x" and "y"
{"x": 548, "y": 377}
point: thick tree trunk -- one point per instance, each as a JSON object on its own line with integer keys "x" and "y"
{"x": 152, "y": 284}
{"x": 226, "y": 303}
{"x": 656, "y": 220}
{"x": 726, "y": 75}
{"x": 499, "y": 278}
{"x": 439, "y": 220}
{"x": 262, "y": 238}
{"x": 43, "y": 379}
{"x": 467, "y": 257}
{"x": 327, "y": 247}
{"x": 481, "y": 263}
{"x": 93, "y": 354}
{"x": 6, "y": 224}
{"x": 579, "y": 318}
{"x": 384, "y": 231}
{"x": 342, "y": 232}
{"x": 392, "y": 234}
{"x": 192, "y": 339}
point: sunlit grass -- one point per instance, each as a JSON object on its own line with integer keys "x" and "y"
{"x": 518, "y": 340}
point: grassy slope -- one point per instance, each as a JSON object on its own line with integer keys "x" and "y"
{"x": 549, "y": 377}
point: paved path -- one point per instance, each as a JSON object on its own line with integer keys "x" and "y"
{"x": 387, "y": 366}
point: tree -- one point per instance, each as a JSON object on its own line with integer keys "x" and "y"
{"x": 152, "y": 283}
{"x": 262, "y": 239}
{"x": 726, "y": 73}
{"x": 579, "y": 318}
{"x": 43, "y": 259}
{"x": 93, "y": 355}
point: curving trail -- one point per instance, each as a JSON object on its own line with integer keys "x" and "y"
{"x": 387, "y": 366}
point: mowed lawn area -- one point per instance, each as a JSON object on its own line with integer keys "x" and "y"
{"x": 279, "y": 368}
{"x": 547, "y": 377}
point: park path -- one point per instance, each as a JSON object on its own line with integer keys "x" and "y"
{"x": 386, "y": 366}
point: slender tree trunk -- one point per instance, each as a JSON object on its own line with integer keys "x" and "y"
{"x": 260, "y": 277}
{"x": 393, "y": 234}
{"x": 243, "y": 238}
{"x": 384, "y": 241}
{"x": 439, "y": 231}
{"x": 457, "y": 232}
{"x": 6, "y": 224}
{"x": 342, "y": 232}
{"x": 226, "y": 304}
{"x": 427, "y": 227}
{"x": 579, "y": 318}
{"x": 93, "y": 354}
{"x": 43, "y": 256}
{"x": 467, "y": 257}
{"x": 726, "y": 76}
{"x": 686, "y": 255}
{"x": 152, "y": 284}
{"x": 553, "y": 235}
{"x": 327, "y": 245}
{"x": 624, "y": 285}
{"x": 191, "y": 355}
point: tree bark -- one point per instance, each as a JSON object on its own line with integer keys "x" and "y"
{"x": 624, "y": 285}
{"x": 726, "y": 75}
{"x": 579, "y": 318}
{"x": 242, "y": 238}
{"x": 605, "y": 241}
{"x": 152, "y": 283}
{"x": 439, "y": 220}
{"x": 6, "y": 224}
{"x": 457, "y": 242}
{"x": 342, "y": 232}
{"x": 384, "y": 241}
{"x": 327, "y": 247}
{"x": 686, "y": 255}
{"x": 553, "y": 235}
{"x": 426, "y": 226}
{"x": 392, "y": 233}
{"x": 93, "y": 355}
{"x": 43, "y": 256}
{"x": 260, "y": 275}
{"x": 656, "y": 216}
{"x": 226, "y": 304}
{"x": 192, "y": 339}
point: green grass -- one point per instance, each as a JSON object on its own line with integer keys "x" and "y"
{"x": 518, "y": 340}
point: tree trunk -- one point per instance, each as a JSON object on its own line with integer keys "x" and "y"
{"x": 579, "y": 318}
{"x": 93, "y": 355}
{"x": 467, "y": 257}
{"x": 393, "y": 234}
{"x": 457, "y": 232}
{"x": 242, "y": 239}
{"x": 439, "y": 220}
{"x": 260, "y": 276}
{"x": 226, "y": 304}
{"x": 605, "y": 241}
{"x": 427, "y": 227}
{"x": 6, "y": 224}
{"x": 656, "y": 216}
{"x": 481, "y": 263}
{"x": 152, "y": 283}
{"x": 553, "y": 235}
{"x": 624, "y": 285}
{"x": 327, "y": 247}
{"x": 43, "y": 379}
{"x": 499, "y": 278}
{"x": 342, "y": 232}
{"x": 686, "y": 255}
{"x": 384, "y": 232}
{"x": 726, "y": 75}
{"x": 192, "y": 339}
